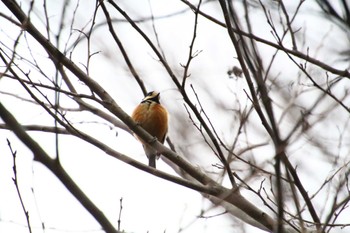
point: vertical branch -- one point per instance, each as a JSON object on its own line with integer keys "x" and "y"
{"x": 15, "y": 180}
{"x": 47, "y": 20}
{"x": 88, "y": 35}
{"x": 154, "y": 30}
{"x": 296, "y": 201}
{"x": 191, "y": 55}
{"x": 120, "y": 213}
{"x": 280, "y": 196}
{"x": 289, "y": 25}
{"x": 43, "y": 227}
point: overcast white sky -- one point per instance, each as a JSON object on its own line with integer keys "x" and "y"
{"x": 149, "y": 203}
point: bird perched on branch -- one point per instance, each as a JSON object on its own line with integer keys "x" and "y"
{"x": 153, "y": 118}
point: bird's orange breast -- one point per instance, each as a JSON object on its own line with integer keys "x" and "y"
{"x": 153, "y": 117}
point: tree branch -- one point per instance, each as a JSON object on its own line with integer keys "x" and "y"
{"x": 56, "y": 168}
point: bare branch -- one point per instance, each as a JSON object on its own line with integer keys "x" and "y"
{"x": 53, "y": 165}
{"x": 15, "y": 180}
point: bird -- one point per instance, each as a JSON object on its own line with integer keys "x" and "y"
{"x": 153, "y": 118}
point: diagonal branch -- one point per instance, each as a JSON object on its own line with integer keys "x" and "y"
{"x": 56, "y": 168}
{"x": 122, "y": 49}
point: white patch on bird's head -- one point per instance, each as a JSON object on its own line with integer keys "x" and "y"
{"x": 152, "y": 96}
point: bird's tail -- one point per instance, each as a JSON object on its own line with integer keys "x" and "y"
{"x": 152, "y": 160}
{"x": 151, "y": 155}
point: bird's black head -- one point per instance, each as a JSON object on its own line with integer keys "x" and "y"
{"x": 152, "y": 96}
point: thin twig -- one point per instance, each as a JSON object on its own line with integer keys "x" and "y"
{"x": 15, "y": 181}
{"x": 191, "y": 55}
{"x": 120, "y": 213}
